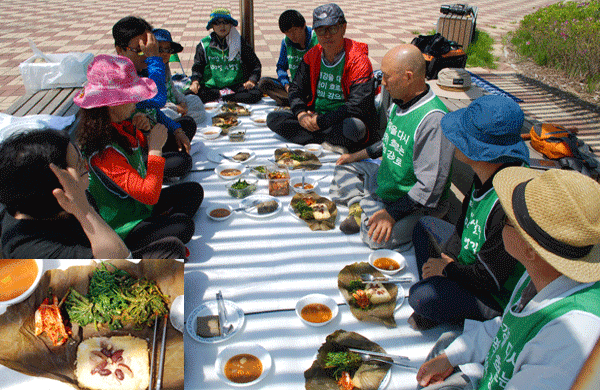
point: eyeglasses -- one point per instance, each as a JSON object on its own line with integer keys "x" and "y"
{"x": 139, "y": 52}
{"x": 220, "y": 21}
{"x": 331, "y": 30}
{"x": 168, "y": 50}
{"x": 507, "y": 222}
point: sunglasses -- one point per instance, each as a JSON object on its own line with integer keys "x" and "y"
{"x": 220, "y": 21}
{"x": 166, "y": 50}
{"x": 331, "y": 30}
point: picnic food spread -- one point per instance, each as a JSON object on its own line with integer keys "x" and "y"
{"x": 225, "y": 121}
{"x": 337, "y": 368}
{"x": 235, "y": 108}
{"x": 16, "y": 276}
{"x": 296, "y": 159}
{"x": 318, "y": 212}
{"x": 372, "y": 302}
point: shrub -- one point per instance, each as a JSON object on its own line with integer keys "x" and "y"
{"x": 564, "y": 36}
{"x": 479, "y": 52}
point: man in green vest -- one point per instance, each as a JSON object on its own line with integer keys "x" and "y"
{"x": 299, "y": 38}
{"x": 552, "y": 321}
{"x": 332, "y": 93}
{"x": 471, "y": 276}
{"x": 412, "y": 178}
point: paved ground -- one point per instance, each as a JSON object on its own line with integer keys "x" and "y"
{"x": 58, "y": 26}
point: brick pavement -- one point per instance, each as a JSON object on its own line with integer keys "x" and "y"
{"x": 58, "y": 26}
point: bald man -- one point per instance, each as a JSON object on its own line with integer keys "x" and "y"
{"x": 387, "y": 197}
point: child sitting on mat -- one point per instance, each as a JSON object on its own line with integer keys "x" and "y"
{"x": 126, "y": 189}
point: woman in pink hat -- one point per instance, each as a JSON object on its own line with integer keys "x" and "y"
{"x": 127, "y": 190}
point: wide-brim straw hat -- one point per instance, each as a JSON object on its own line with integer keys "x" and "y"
{"x": 558, "y": 213}
{"x": 113, "y": 81}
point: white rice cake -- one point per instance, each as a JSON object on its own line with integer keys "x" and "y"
{"x": 134, "y": 357}
{"x": 377, "y": 293}
{"x": 320, "y": 211}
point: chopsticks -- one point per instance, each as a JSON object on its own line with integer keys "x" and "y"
{"x": 162, "y": 354}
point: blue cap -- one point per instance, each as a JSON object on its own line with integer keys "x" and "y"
{"x": 489, "y": 129}
{"x": 220, "y": 13}
{"x": 163, "y": 35}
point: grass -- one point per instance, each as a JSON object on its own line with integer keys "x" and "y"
{"x": 479, "y": 52}
{"x": 563, "y": 36}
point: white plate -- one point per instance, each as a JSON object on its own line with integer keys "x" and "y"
{"x": 230, "y": 165}
{"x": 235, "y": 316}
{"x": 259, "y": 198}
{"x": 176, "y": 314}
{"x": 213, "y": 155}
{"x": 398, "y": 257}
{"x": 254, "y": 349}
{"x": 315, "y": 149}
{"x": 219, "y": 206}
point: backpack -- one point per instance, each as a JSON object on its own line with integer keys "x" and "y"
{"x": 557, "y": 143}
{"x": 439, "y": 53}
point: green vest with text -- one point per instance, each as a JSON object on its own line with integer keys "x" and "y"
{"x": 396, "y": 175}
{"x": 515, "y": 332}
{"x": 329, "y": 87}
{"x": 220, "y": 72}
{"x": 295, "y": 55}
{"x": 120, "y": 211}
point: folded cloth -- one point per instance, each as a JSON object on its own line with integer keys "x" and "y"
{"x": 234, "y": 41}
{"x": 10, "y": 124}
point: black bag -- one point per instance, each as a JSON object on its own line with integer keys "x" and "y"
{"x": 440, "y": 53}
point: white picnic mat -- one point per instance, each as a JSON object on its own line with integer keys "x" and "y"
{"x": 269, "y": 264}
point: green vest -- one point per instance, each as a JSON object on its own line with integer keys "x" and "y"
{"x": 295, "y": 55}
{"x": 120, "y": 211}
{"x": 329, "y": 87}
{"x": 473, "y": 235}
{"x": 396, "y": 175}
{"x": 515, "y": 332}
{"x": 220, "y": 72}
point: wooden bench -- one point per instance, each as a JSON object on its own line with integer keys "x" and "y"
{"x": 57, "y": 102}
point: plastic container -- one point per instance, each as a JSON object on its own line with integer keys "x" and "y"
{"x": 241, "y": 192}
{"x": 279, "y": 180}
{"x": 237, "y": 135}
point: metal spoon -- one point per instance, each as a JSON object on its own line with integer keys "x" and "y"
{"x": 366, "y": 358}
{"x": 371, "y": 278}
{"x": 303, "y": 170}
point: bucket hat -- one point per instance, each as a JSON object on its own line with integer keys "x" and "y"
{"x": 112, "y": 81}
{"x": 328, "y": 15}
{"x": 454, "y": 83}
{"x": 220, "y": 13}
{"x": 163, "y": 35}
{"x": 489, "y": 129}
{"x": 556, "y": 212}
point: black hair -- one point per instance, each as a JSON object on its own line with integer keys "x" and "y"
{"x": 127, "y": 28}
{"x": 291, "y": 18}
{"x": 26, "y": 181}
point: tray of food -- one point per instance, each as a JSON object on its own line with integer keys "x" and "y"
{"x": 372, "y": 302}
{"x": 297, "y": 159}
{"x": 226, "y": 121}
{"x": 238, "y": 109}
{"x": 92, "y": 326}
{"x": 335, "y": 367}
{"x": 318, "y": 212}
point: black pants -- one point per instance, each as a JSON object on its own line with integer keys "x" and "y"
{"x": 165, "y": 248}
{"x": 172, "y": 216}
{"x": 239, "y": 95}
{"x": 275, "y": 90}
{"x": 178, "y": 163}
{"x": 350, "y": 133}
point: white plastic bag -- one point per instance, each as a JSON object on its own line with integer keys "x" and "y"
{"x": 57, "y": 71}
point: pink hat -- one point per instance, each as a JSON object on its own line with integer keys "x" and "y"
{"x": 112, "y": 81}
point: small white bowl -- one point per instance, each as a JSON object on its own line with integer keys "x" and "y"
{"x": 307, "y": 180}
{"x": 390, "y": 254}
{"x": 317, "y": 298}
{"x": 212, "y": 106}
{"x": 219, "y": 206}
{"x": 176, "y": 314}
{"x": 230, "y": 165}
{"x": 29, "y": 291}
{"x": 259, "y": 118}
{"x": 237, "y": 349}
{"x": 315, "y": 149}
{"x": 211, "y": 132}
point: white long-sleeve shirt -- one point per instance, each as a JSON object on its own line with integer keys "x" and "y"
{"x": 551, "y": 360}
